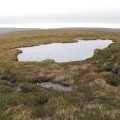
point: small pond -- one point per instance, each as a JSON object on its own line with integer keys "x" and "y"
{"x": 56, "y": 86}
{"x": 63, "y": 52}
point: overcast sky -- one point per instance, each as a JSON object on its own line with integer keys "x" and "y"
{"x": 59, "y": 11}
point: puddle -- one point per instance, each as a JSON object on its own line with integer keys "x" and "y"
{"x": 63, "y": 52}
{"x": 56, "y": 86}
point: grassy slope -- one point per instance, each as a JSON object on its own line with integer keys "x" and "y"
{"x": 97, "y": 96}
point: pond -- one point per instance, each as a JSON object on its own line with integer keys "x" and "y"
{"x": 63, "y": 52}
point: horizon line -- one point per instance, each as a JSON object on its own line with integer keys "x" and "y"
{"x": 62, "y": 25}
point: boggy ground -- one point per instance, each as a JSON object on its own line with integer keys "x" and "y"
{"x": 96, "y": 97}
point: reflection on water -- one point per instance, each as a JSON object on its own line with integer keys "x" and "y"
{"x": 63, "y": 52}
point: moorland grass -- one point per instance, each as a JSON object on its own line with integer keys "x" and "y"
{"x": 97, "y": 80}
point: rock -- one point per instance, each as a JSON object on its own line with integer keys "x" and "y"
{"x": 116, "y": 68}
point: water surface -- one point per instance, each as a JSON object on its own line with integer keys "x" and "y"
{"x": 63, "y": 52}
{"x": 56, "y": 86}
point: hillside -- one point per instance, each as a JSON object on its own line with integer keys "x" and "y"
{"x": 97, "y": 80}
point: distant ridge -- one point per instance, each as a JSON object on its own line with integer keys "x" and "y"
{"x": 8, "y": 30}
